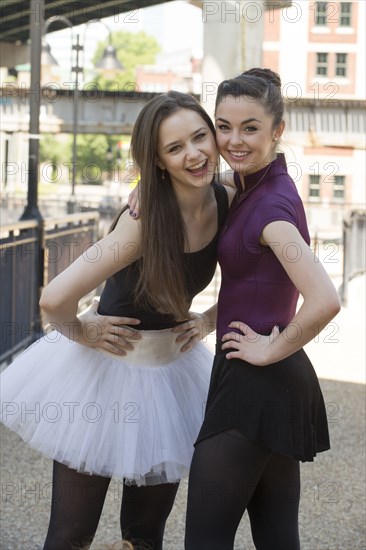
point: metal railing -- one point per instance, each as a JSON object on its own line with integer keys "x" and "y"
{"x": 19, "y": 269}
{"x": 354, "y": 245}
{"x": 32, "y": 253}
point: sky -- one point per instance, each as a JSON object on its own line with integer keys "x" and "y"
{"x": 177, "y": 26}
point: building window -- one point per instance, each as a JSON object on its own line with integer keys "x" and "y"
{"x": 321, "y": 13}
{"x": 345, "y": 19}
{"x": 338, "y": 187}
{"x": 314, "y": 186}
{"x": 341, "y": 64}
{"x": 322, "y": 64}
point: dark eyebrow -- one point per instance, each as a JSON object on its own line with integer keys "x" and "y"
{"x": 242, "y": 122}
{"x": 177, "y": 142}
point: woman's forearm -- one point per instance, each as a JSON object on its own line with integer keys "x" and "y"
{"x": 63, "y": 319}
{"x": 308, "y": 322}
{"x": 210, "y": 319}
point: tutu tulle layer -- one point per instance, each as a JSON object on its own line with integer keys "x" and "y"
{"x": 101, "y": 415}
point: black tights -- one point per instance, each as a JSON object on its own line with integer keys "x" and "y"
{"x": 230, "y": 474}
{"x": 77, "y": 503}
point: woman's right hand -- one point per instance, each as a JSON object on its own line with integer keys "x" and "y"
{"x": 107, "y": 332}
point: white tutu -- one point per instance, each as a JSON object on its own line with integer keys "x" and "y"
{"x": 105, "y": 415}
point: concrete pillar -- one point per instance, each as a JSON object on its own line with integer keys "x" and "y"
{"x": 233, "y": 38}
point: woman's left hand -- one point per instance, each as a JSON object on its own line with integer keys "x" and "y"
{"x": 251, "y": 346}
{"x": 192, "y": 331}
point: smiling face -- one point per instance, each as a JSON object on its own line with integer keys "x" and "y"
{"x": 245, "y": 135}
{"x": 186, "y": 149}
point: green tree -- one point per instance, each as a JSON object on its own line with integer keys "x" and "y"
{"x": 92, "y": 162}
{"x": 132, "y": 49}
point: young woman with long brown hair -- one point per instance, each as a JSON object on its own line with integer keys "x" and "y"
{"x": 116, "y": 401}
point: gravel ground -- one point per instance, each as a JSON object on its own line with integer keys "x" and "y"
{"x": 332, "y": 513}
{"x": 333, "y": 504}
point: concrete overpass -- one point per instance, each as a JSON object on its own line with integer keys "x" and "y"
{"x": 100, "y": 112}
{"x": 228, "y": 50}
{"x": 16, "y": 17}
{"x": 234, "y": 46}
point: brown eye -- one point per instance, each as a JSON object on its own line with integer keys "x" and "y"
{"x": 174, "y": 149}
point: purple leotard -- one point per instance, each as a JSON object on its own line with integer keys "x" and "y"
{"x": 255, "y": 287}
{"x": 280, "y": 405}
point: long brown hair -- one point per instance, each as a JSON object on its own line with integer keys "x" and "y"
{"x": 163, "y": 236}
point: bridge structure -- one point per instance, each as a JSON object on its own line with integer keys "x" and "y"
{"x": 28, "y": 113}
{"x": 100, "y": 111}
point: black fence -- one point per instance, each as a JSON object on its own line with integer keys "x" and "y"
{"x": 20, "y": 273}
{"x": 32, "y": 253}
{"x": 354, "y": 246}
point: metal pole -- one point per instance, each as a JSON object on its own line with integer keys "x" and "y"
{"x": 31, "y": 210}
{"x": 77, "y": 47}
{"x": 346, "y": 262}
{"x": 36, "y": 24}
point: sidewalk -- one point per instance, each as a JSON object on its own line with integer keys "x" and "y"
{"x": 332, "y": 509}
{"x": 339, "y": 351}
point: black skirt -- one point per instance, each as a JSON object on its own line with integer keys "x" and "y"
{"x": 280, "y": 406}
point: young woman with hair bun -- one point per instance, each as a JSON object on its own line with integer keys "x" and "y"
{"x": 265, "y": 410}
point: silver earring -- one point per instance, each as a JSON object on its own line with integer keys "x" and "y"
{"x": 163, "y": 174}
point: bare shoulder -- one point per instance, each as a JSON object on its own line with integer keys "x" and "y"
{"x": 125, "y": 238}
{"x": 126, "y": 224}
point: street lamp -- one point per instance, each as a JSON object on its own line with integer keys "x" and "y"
{"x": 108, "y": 61}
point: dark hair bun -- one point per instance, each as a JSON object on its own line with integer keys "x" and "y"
{"x": 265, "y": 74}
